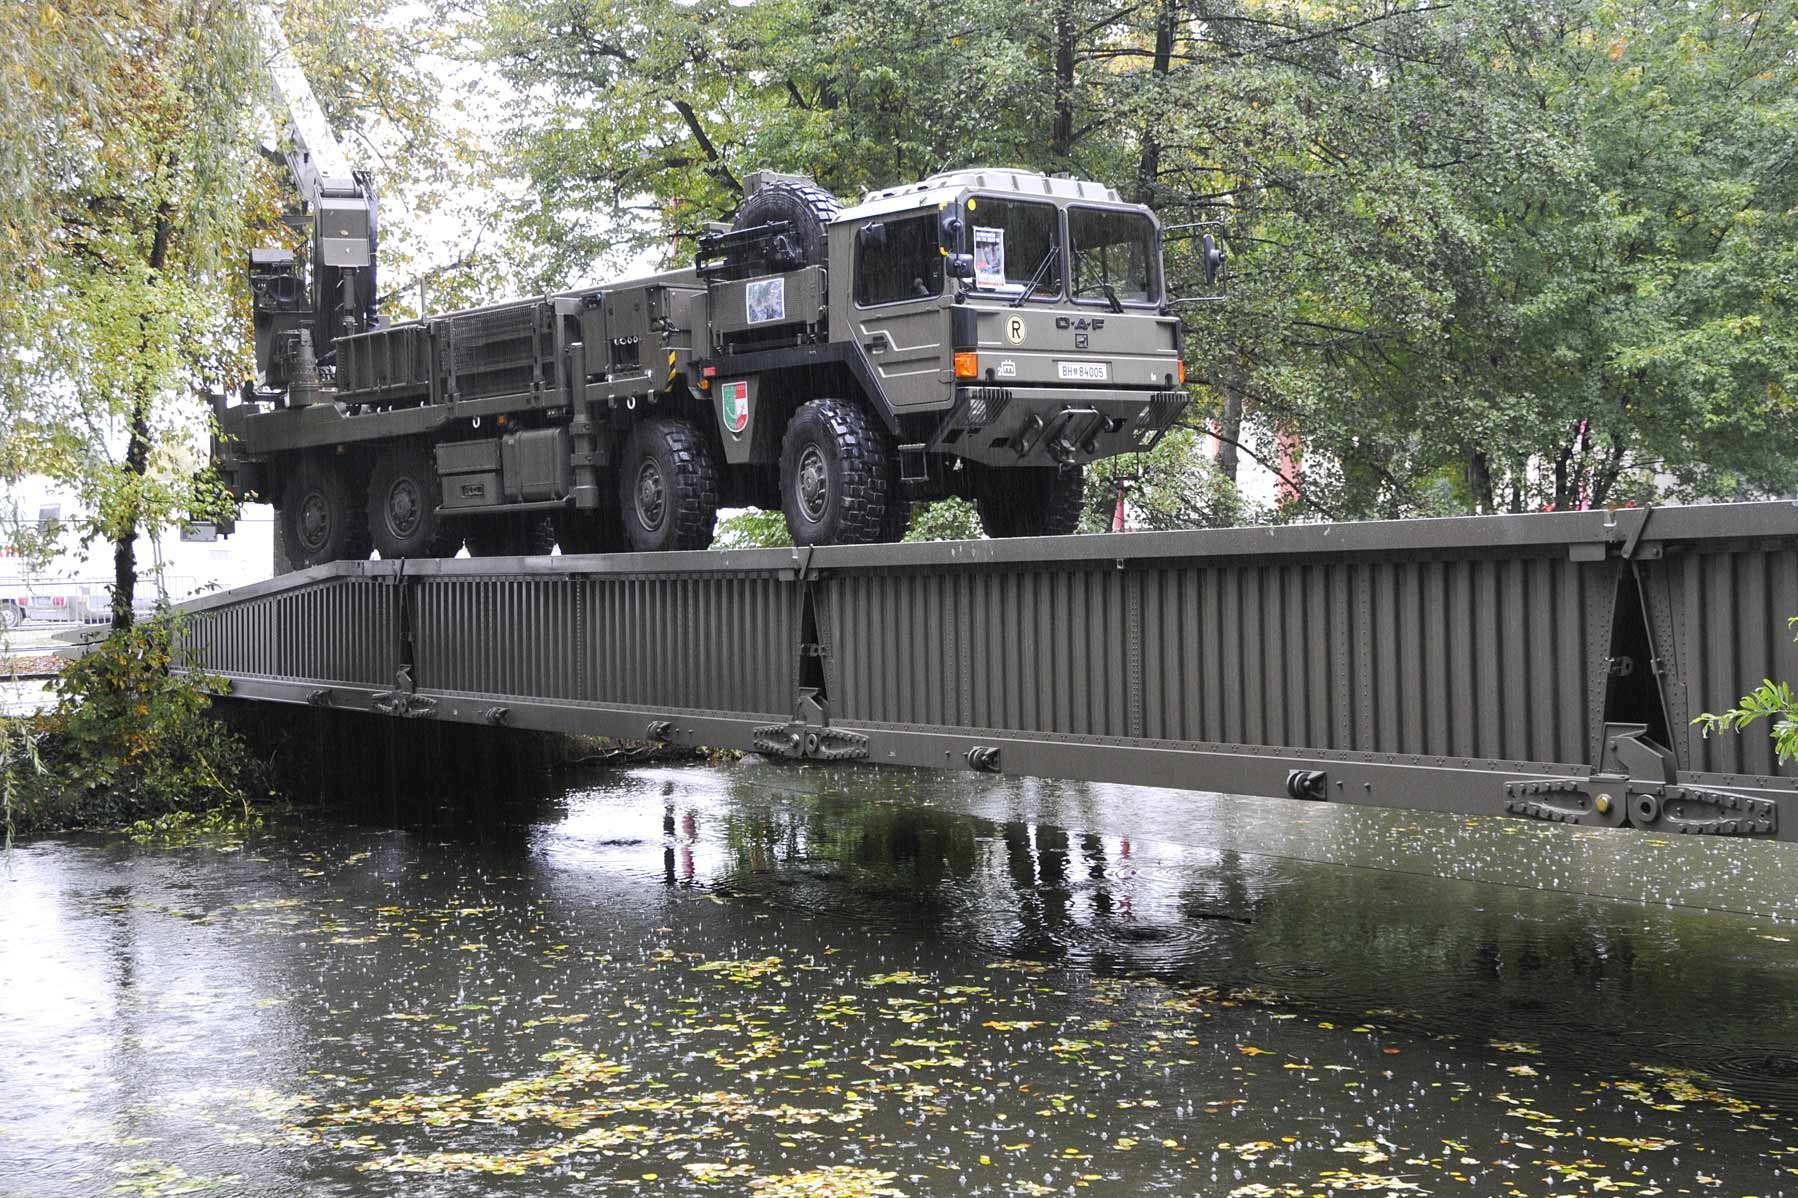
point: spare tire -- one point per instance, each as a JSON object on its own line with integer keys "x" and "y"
{"x": 808, "y": 210}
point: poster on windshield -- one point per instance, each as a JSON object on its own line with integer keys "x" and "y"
{"x": 989, "y": 257}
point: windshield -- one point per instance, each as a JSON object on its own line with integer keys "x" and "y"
{"x": 1012, "y": 243}
{"x": 1114, "y": 249}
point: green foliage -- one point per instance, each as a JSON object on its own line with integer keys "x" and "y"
{"x": 944, "y": 520}
{"x": 752, "y": 528}
{"x": 1175, "y": 485}
{"x": 130, "y": 739}
{"x": 130, "y": 189}
{"x": 21, "y": 767}
{"x": 124, "y": 227}
{"x": 1488, "y": 256}
{"x": 1772, "y": 701}
{"x": 223, "y": 825}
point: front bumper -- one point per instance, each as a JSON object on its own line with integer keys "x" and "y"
{"x": 1049, "y": 426}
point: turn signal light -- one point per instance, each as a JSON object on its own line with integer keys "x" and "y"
{"x": 1180, "y": 370}
{"x": 967, "y": 365}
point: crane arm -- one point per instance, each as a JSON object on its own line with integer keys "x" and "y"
{"x": 298, "y": 324}
{"x": 342, "y": 202}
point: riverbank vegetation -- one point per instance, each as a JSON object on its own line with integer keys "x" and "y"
{"x": 126, "y": 743}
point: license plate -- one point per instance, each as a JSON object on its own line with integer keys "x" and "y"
{"x": 1085, "y": 372}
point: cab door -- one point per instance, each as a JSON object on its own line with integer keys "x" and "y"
{"x": 899, "y": 318}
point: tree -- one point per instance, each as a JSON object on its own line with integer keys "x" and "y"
{"x": 1774, "y": 702}
{"x": 1505, "y": 257}
{"x": 130, "y": 187}
{"x": 120, "y": 247}
{"x": 1488, "y": 256}
{"x": 1175, "y": 485}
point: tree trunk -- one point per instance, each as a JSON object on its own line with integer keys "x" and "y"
{"x": 1061, "y": 138}
{"x": 1609, "y": 473}
{"x": 1479, "y": 481}
{"x": 124, "y": 545}
{"x": 1229, "y": 425}
{"x": 137, "y": 454}
{"x": 1148, "y": 162}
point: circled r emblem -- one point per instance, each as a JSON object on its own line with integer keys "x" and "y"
{"x": 1014, "y": 330}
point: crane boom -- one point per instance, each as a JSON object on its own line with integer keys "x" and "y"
{"x": 320, "y": 168}
{"x": 296, "y": 325}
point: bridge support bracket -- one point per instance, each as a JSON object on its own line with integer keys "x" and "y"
{"x": 808, "y": 736}
{"x": 1309, "y": 785}
{"x": 1637, "y": 784}
{"x": 984, "y": 758}
{"x": 404, "y": 700}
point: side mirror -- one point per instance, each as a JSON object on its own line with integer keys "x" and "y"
{"x": 948, "y": 229}
{"x": 872, "y": 236}
{"x": 959, "y": 266}
{"x": 1214, "y": 260}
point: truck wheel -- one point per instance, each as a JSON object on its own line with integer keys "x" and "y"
{"x": 10, "y": 615}
{"x": 667, "y": 487}
{"x": 1030, "y": 501}
{"x": 837, "y": 476}
{"x": 321, "y": 517}
{"x": 897, "y": 521}
{"x": 404, "y": 493}
{"x": 808, "y": 210}
{"x": 509, "y": 536}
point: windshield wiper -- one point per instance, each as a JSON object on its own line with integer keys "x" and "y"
{"x": 1111, "y": 297}
{"x": 1036, "y": 276}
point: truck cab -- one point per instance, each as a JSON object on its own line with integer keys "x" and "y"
{"x": 1029, "y": 307}
{"x": 1004, "y": 328}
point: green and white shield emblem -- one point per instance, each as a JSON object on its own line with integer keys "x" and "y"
{"x": 734, "y": 401}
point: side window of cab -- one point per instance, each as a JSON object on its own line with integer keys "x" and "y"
{"x": 897, "y": 260}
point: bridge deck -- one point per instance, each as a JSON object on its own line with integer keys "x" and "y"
{"x": 1546, "y": 666}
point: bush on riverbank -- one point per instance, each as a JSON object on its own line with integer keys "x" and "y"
{"x": 127, "y": 741}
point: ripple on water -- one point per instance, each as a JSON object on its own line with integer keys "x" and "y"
{"x": 1770, "y": 1076}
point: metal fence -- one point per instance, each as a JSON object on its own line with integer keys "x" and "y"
{"x": 1543, "y": 665}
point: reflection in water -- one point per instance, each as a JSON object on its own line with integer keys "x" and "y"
{"x": 762, "y": 979}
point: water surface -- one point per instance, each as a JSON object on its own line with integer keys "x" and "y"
{"x": 779, "y": 980}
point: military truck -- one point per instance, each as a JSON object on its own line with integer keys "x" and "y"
{"x": 982, "y": 333}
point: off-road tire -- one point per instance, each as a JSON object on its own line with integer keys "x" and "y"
{"x": 808, "y": 208}
{"x": 509, "y": 536}
{"x": 321, "y": 517}
{"x": 404, "y": 494}
{"x": 897, "y": 520}
{"x": 1030, "y": 501}
{"x": 687, "y": 479}
{"x": 838, "y": 474}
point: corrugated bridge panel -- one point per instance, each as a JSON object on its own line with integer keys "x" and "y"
{"x": 1431, "y": 656}
{"x": 1543, "y": 665}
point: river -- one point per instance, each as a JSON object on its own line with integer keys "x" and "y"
{"x": 774, "y": 980}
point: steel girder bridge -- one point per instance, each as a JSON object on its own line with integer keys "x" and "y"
{"x": 1544, "y": 666}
